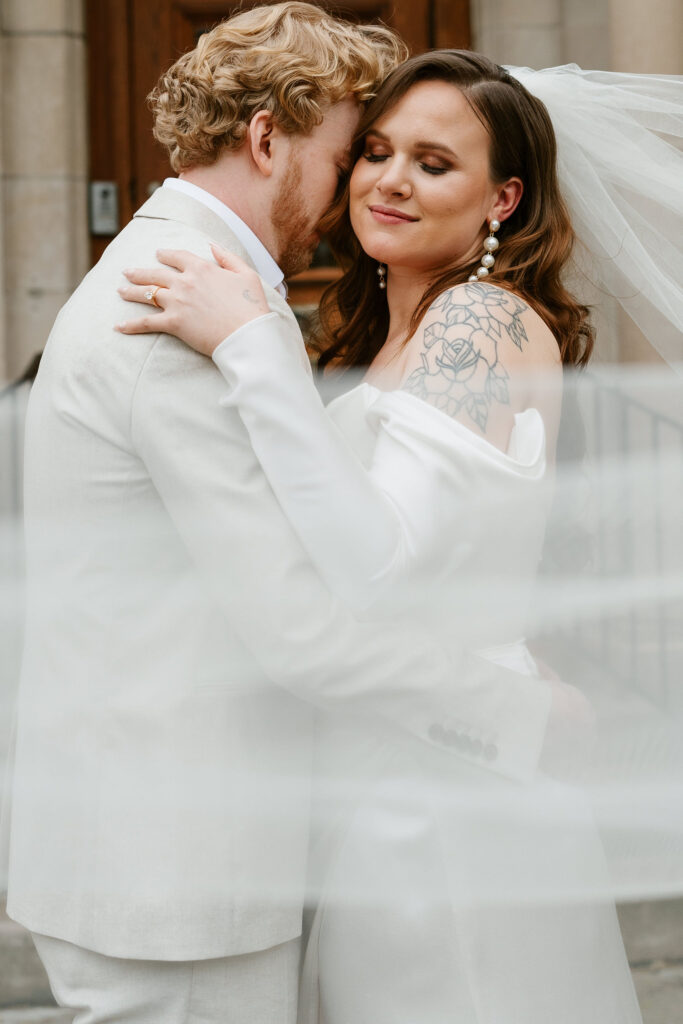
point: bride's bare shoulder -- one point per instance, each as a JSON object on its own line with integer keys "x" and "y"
{"x": 475, "y": 355}
{"x": 505, "y": 317}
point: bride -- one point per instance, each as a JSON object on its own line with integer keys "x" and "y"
{"x": 445, "y": 892}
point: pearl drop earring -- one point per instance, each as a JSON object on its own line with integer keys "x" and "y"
{"x": 490, "y": 245}
{"x": 382, "y": 275}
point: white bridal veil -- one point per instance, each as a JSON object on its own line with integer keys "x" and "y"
{"x": 604, "y": 818}
{"x": 620, "y": 163}
{"x": 610, "y": 593}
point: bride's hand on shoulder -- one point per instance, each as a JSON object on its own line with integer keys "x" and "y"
{"x": 196, "y": 300}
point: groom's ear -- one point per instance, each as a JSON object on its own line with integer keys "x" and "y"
{"x": 260, "y": 138}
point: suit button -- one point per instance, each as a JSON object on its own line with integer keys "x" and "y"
{"x": 451, "y": 737}
{"x": 437, "y": 733}
{"x": 464, "y": 743}
{"x": 490, "y": 751}
{"x": 477, "y": 747}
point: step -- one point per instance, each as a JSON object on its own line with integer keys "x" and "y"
{"x": 36, "y": 1015}
{"x": 23, "y": 981}
{"x": 653, "y": 931}
{"x": 660, "y": 993}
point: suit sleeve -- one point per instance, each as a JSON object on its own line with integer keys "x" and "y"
{"x": 349, "y": 524}
{"x": 200, "y": 459}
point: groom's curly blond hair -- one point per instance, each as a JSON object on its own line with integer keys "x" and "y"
{"x": 292, "y": 59}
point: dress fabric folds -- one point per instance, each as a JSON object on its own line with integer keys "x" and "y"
{"x": 447, "y": 894}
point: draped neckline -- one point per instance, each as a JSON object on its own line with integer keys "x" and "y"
{"x": 526, "y": 447}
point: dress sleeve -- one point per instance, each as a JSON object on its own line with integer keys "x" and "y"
{"x": 363, "y": 527}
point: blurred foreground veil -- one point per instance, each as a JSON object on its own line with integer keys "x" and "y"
{"x": 506, "y": 887}
{"x": 608, "y": 604}
{"x": 601, "y": 822}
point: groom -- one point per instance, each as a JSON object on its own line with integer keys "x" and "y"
{"x": 160, "y": 808}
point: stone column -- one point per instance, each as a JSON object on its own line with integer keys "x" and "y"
{"x": 522, "y": 32}
{"x": 647, "y": 37}
{"x": 542, "y": 33}
{"x": 44, "y": 184}
{"x": 585, "y": 33}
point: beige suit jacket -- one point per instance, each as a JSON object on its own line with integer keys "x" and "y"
{"x": 177, "y": 642}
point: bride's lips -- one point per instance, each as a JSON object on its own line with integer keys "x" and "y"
{"x": 387, "y": 215}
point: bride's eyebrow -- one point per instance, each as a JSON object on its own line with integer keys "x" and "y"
{"x": 421, "y": 145}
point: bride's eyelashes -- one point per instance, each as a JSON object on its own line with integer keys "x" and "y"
{"x": 375, "y": 158}
{"x": 430, "y": 169}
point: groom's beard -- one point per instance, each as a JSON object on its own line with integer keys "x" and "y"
{"x": 296, "y": 238}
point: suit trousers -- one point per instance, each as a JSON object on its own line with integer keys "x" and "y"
{"x": 254, "y": 988}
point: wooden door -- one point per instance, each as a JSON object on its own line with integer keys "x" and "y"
{"x": 132, "y": 41}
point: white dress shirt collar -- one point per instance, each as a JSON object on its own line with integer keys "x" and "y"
{"x": 258, "y": 254}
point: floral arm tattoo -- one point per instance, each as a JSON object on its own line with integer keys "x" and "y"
{"x": 461, "y": 367}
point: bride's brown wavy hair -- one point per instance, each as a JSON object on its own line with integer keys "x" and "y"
{"x": 535, "y": 241}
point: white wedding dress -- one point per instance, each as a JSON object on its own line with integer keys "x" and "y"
{"x": 444, "y": 891}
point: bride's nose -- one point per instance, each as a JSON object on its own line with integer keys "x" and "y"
{"x": 394, "y": 181}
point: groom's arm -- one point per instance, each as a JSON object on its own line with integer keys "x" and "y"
{"x": 200, "y": 460}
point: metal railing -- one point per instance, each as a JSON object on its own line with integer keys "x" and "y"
{"x": 634, "y": 479}
{"x": 637, "y": 536}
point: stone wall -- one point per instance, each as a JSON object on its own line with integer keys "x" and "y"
{"x": 613, "y": 35}
{"x": 646, "y": 37}
{"x": 43, "y": 168}
{"x": 543, "y": 33}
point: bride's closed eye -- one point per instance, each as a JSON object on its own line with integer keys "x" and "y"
{"x": 431, "y": 169}
{"x": 375, "y": 158}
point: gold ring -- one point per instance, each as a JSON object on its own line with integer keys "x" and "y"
{"x": 151, "y": 296}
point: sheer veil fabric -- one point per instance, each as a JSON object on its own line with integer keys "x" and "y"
{"x": 465, "y": 870}
{"x": 445, "y": 890}
{"x": 620, "y": 163}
